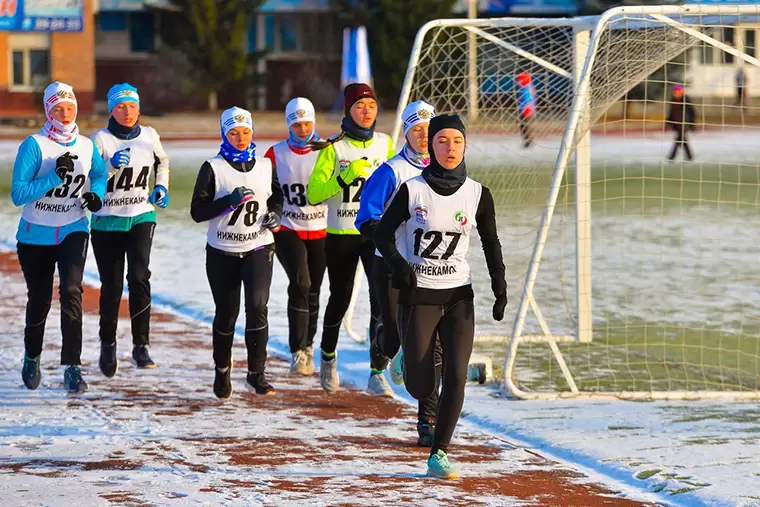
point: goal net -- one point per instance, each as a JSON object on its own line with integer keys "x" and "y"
{"x": 629, "y": 274}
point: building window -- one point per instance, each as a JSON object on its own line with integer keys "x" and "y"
{"x": 141, "y": 32}
{"x": 18, "y": 68}
{"x": 112, "y": 21}
{"x": 31, "y": 68}
{"x": 749, "y": 42}
{"x": 289, "y": 32}
{"x": 728, "y": 38}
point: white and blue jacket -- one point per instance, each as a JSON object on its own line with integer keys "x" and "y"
{"x": 30, "y": 185}
{"x": 380, "y": 188}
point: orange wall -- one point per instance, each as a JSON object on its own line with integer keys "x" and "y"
{"x": 72, "y": 60}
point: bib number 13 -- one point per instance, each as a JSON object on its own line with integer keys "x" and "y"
{"x": 435, "y": 238}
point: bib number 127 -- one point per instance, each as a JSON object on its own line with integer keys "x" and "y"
{"x": 435, "y": 238}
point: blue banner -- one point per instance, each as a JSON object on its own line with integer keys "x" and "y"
{"x": 41, "y": 15}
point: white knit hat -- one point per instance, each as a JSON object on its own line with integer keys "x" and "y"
{"x": 415, "y": 113}
{"x": 299, "y": 109}
{"x": 56, "y": 93}
{"x": 235, "y": 117}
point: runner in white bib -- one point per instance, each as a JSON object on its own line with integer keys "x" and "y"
{"x": 343, "y": 165}
{"x": 300, "y": 242}
{"x": 437, "y": 212}
{"x": 57, "y": 176}
{"x": 239, "y": 196}
{"x": 138, "y": 170}
{"x": 377, "y": 195}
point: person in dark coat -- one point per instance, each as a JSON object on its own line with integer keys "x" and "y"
{"x": 681, "y": 119}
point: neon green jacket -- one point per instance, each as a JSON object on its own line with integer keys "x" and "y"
{"x": 323, "y": 183}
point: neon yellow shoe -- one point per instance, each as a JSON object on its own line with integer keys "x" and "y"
{"x": 439, "y": 466}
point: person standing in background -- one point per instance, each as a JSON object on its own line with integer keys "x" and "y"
{"x": 526, "y": 101}
{"x": 124, "y": 226}
{"x": 300, "y": 242}
{"x": 742, "y": 83}
{"x": 58, "y": 176}
{"x": 681, "y": 119}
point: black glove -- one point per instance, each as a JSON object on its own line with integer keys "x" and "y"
{"x": 499, "y": 306}
{"x": 65, "y": 164}
{"x": 272, "y": 221}
{"x": 239, "y": 196}
{"x": 91, "y": 202}
{"x": 403, "y": 275}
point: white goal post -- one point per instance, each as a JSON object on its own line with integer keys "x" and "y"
{"x": 670, "y": 319}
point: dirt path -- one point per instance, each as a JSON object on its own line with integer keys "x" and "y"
{"x": 160, "y": 437}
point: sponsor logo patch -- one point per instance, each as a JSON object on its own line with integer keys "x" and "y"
{"x": 460, "y": 217}
{"x": 421, "y": 214}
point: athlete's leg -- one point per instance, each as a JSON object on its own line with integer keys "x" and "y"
{"x": 223, "y": 272}
{"x": 109, "y": 249}
{"x": 292, "y": 253}
{"x": 70, "y": 257}
{"x": 140, "y": 241}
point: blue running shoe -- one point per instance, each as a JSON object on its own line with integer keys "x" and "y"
{"x": 30, "y": 372}
{"x": 73, "y": 381}
{"x": 439, "y": 466}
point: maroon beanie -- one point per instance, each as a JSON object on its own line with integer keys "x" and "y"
{"x": 354, "y": 92}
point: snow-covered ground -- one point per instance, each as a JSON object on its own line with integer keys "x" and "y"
{"x": 690, "y": 453}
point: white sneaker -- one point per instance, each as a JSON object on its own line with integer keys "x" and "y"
{"x": 378, "y": 386}
{"x": 303, "y": 363}
{"x": 328, "y": 375}
{"x": 397, "y": 368}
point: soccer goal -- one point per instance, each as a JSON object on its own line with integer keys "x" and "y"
{"x": 630, "y": 274}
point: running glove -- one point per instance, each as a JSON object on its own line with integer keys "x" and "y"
{"x": 499, "y": 306}
{"x": 403, "y": 275}
{"x": 159, "y": 196}
{"x": 91, "y": 202}
{"x": 272, "y": 221}
{"x": 65, "y": 164}
{"x": 357, "y": 169}
{"x": 120, "y": 158}
{"x": 239, "y": 196}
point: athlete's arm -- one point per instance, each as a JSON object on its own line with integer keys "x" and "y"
{"x": 274, "y": 203}
{"x": 485, "y": 217}
{"x": 98, "y": 174}
{"x": 376, "y": 192}
{"x": 385, "y": 234}
{"x": 323, "y": 182}
{"x": 24, "y": 187}
{"x": 97, "y": 140}
{"x": 203, "y": 206}
{"x": 162, "y": 162}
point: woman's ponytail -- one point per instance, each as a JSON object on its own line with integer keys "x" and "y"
{"x": 321, "y": 144}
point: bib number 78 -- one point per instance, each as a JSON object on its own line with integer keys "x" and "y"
{"x": 435, "y": 238}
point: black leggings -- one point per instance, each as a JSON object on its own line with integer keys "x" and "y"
{"x": 455, "y": 326}
{"x": 109, "y": 249}
{"x": 225, "y": 274}
{"x": 38, "y": 265}
{"x": 343, "y": 254}
{"x": 681, "y": 141}
{"x": 304, "y": 263}
{"x": 387, "y": 339}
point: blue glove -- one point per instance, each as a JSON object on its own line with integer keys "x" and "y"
{"x": 159, "y": 196}
{"x": 120, "y": 158}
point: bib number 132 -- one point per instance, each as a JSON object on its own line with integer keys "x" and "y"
{"x": 435, "y": 238}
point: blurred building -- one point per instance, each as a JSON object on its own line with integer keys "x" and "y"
{"x": 302, "y": 44}
{"x": 42, "y": 42}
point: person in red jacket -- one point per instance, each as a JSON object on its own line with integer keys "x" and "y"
{"x": 300, "y": 242}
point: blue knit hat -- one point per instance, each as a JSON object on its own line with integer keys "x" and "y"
{"x": 120, "y": 93}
